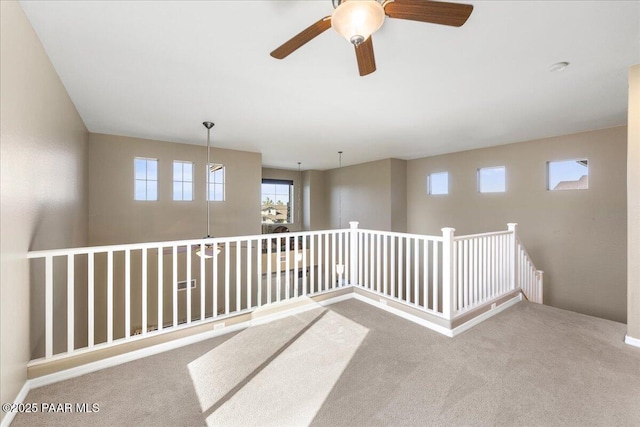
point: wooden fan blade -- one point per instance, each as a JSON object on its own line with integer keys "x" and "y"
{"x": 302, "y": 38}
{"x": 434, "y": 12}
{"x": 366, "y": 60}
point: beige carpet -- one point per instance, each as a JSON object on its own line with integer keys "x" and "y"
{"x": 353, "y": 365}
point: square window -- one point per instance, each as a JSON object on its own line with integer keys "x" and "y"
{"x": 568, "y": 175}
{"x": 438, "y": 183}
{"x": 492, "y": 180}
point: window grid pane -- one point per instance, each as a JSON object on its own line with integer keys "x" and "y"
{"x": 182, "y": 180}
{"x": 145, "y": 179}
{"x": 216, "y": 183}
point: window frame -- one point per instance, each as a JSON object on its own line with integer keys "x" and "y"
{"x": 290, "y": 183}
{"x": 146, "y": 180}
{"x": 430, "y": 182}
{"x": 577, "y": 159}
{"x": 211, "y": 184}
{"x": 183, "y": 181}
{"x": 479, "y": 180}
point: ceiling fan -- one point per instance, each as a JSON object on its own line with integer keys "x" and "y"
{"x": 356, "y": 20}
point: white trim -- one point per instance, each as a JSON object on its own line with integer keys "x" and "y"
{"x": 487, "y": 314}
{"x": 22, "y": 394}
{"x": 632, "y": 341}
{"x": 171, "y": 345}
{"x": 415, "y": 319}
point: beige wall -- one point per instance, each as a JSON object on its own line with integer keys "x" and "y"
{"x": 633, "y": 207}
{"x": 114, "y": 217}
{"x": 316, "y": 209}
{"x": 298, "y": 205}
{"x": 398, "y": 195}
{"x": 373, "y": 193}
{"x": 44, "y": 175}
{"x": 577, "y": 237}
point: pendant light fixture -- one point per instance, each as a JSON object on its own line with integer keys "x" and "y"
{"x": 340, "y": 189}
{"x": 340, "y": 267}
{"x": 298, "y": 209}
{"x": 209, "y": 251}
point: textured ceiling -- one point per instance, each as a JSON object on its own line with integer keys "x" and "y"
{"x": 157, "y": 69}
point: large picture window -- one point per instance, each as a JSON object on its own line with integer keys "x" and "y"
{"x": 277, "y": 198}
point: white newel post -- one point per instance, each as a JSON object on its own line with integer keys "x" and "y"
{"x": 513, "y": 264}
{"x": 540, "y": 287}
{"x": 447, "y": 272}
{"x": 353, "y": 256}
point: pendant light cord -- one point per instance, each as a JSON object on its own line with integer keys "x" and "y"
{"x": 208, "y": 180}
{"x": 340, "y": 190}
{"x": 299, "y": 208}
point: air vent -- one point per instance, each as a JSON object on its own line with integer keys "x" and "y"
{"x": 183, "y": 285}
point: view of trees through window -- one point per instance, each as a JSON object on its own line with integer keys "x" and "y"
{"x": 277, "y": 198}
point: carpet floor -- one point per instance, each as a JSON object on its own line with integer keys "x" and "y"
{"x": 351, "y": 364}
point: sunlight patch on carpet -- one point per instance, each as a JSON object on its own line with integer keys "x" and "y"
{"x": 277, "y": 374}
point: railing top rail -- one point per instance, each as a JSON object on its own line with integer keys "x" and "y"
{"x": 473, "y": 236}
{"x": 396, "y": 234}
{"x": 172, "y": 243}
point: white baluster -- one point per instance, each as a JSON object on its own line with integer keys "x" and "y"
{"x": 188, "y": 287}
{"x": 109, "y": 296}
{"x": 175, "y": 285}
{"x": 238, "y": 275}
{"x": 90, "y": 299}
{"x": 143, "y": 285}
{"x": 227, "y": 277}
{"x": 48, "y": 306}
{"x": 70, "y": 303}
{"x": 160, "y": 288}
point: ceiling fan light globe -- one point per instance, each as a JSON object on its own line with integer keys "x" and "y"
{"x": 356, "y": 20}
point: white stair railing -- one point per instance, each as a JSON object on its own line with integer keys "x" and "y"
{"x": 529, "y": 277}
{"x": 483, "y": 264}
{"x": 403, "y": 267}
{"x": 137, "y": 290}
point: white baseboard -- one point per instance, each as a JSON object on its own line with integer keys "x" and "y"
{"x": 8, "y": 418}
{"x": 415, "y": 319}
{"x": 632, "y": 341}
{"x": 487, "y": 314}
